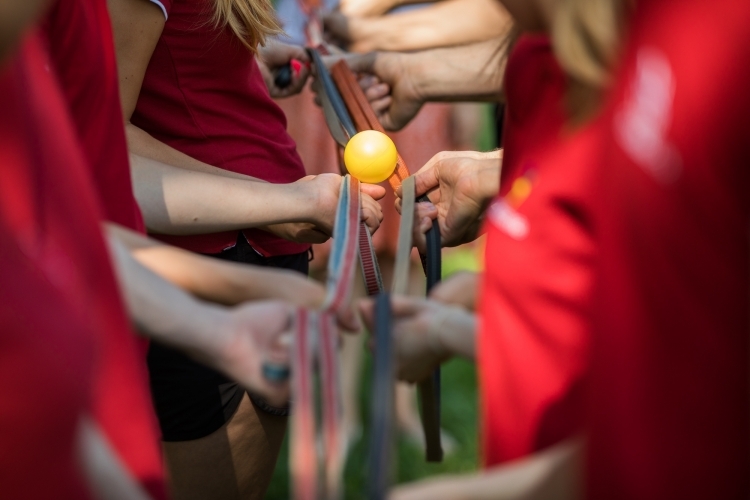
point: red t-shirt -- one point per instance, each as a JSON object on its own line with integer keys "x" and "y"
{"x": 47, "y": 346}
{"x": 203, "y": 94}
{"x": 534, "y": 109}
{"x": 536, "y": 289}
{"x": 54, "y": 215}
{"x": 46, "y": 368}
{"x": 79, "y": 37}
{"x": 669, "y": 407}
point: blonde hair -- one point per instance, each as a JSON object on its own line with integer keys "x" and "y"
{"x": 585, "y": 37}
{"x": 252, "y": 21}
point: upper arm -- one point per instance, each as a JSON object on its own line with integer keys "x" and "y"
{"x": 15, "y": 17}
{"x": 137, "y": 26}
{"x": 443, "y": 24}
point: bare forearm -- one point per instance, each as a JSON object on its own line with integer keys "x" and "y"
{"x": 160, "y": 310}
{"x": 218, "y": 281}
{"x": 466, "y": 73}
{"x": 178, "y": 201}
{"x": 232, "y": 340}
{"x": 142, "y": 144}
{"x": 454, "y": 328}
{"x": 460, "y": 289}
{"x": 552, "y": 474}
{"x": 448, "y": 23}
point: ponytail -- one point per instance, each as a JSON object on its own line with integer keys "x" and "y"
{"x": 585, "y": 37}
{"x": 252, "y": 21}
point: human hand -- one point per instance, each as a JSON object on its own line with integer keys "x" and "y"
{"x": 459, "y": 289}
{"x": 276, "y": 54}
{"x": 460, "y": 185}
{"x": 324, "y": 191}
{"x": 393, "y": 93}
{"x": 302, "y": 291}
{"x": 246, "y": 337}
{"x": 423, "y": 333}
{"x": 376, "y": 92}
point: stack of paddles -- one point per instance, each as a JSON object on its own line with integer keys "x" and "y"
{"x": 347, "y": 113}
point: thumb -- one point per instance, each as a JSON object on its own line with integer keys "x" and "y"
{"x": 425, "y": 180}
{"x": 348, "y": 320}
{"x": 373, "y": 190}
{"x": 403, "y": 307}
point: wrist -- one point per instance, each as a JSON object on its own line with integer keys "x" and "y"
{"x": 385, "y": 33}
{"x": 247, "y": 283}
{"x": 206, "y": 335}
{"x": 306, "y": 201}
{"x": 487, "y": 179}
{"x": 439, "y": 333}
{"x": 452, "y": 333}
{"x": 416, "y": 71}
{"x": 292, "y": 287}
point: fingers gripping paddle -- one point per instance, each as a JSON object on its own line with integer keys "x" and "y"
{"x": 364, "y": 118}
{"x": 347, "y": 111}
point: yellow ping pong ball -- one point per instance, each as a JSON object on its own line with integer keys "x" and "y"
{"x": 370, "y": 156}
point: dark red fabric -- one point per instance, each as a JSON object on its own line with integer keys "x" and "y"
{"x": 534, "y": 109}
{"x": 79, "y": 37}
{"x": 535, "y": 304}
{"x": 48, "y": 205}
{"x": 47, "y": 346}
{"x": 46, "y": 365}
{"x": 536, "y": 289}
{"x": 670, "y": 415}
{"x": 203, "y": 94}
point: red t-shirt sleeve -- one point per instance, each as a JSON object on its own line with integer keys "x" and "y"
{"x": 47, "y": 346}
{"x": 535, "y": 305}
{"x": 79, "y": 39}
{"x": 669, "y": 413}
{"x": 49, "y": 207}
{"x": 535, "y": 295}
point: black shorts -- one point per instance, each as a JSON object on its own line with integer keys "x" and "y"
{"x": 192, "y": 400}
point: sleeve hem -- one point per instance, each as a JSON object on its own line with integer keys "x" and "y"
{"x": 161, "y": 6}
